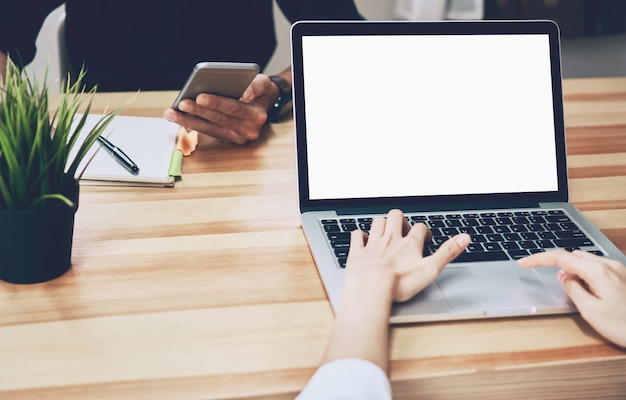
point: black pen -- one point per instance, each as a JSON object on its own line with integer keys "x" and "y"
{"x": 119, "y": 156}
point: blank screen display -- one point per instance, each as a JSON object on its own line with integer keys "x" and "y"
{"x": 422, "y": 115}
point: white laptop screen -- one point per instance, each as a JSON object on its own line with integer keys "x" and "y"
{"x": 428, "y": 115}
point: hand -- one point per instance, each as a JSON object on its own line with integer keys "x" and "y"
{"x": 596, "y": 285}
{"x": 393, "y": 249}
{"x": 230, "y": 120}
{"x": 384, "y": 266}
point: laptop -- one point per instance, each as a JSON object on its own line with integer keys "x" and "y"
{"x": 460, "y": 125}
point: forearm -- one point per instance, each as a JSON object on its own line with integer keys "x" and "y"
{"x": 361, "y": 328}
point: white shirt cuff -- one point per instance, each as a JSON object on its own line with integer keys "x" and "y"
{"x": 350, "y": 378}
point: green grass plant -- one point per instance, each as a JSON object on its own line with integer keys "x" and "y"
{"x": 36, "y": 144}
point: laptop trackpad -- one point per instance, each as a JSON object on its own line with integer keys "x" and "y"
{"x": 494, "y": 287}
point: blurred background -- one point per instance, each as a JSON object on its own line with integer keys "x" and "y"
{"x": 593, "y": 32}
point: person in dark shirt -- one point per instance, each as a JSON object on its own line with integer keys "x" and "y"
{"x": 154, "y": 44}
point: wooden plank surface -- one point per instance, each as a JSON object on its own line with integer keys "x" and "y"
{"x": 208, "y": 290}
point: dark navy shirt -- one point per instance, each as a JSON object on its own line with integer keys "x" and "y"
{"x": 154, "y": 44}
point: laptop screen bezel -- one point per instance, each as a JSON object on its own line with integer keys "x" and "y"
{"x": 414, "y": 203}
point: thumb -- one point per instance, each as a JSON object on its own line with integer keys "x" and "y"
{"x": 254, "y": 90}
{"x": 575, "y": 289}
{"x": 451, "y": 249}
{"x": 430, "y": 267}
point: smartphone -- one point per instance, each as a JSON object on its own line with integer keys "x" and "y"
{"x": 228, "y": 79}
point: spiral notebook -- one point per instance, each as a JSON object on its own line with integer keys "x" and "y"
{"x": 148, "y": 141}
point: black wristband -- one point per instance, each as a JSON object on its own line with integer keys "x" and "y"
{"x": 280, "y": 106}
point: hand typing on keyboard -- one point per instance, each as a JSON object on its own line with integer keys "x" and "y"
{"x": 386, "y": 265}
{"x": 393, "y": 250}
{"x": 496, "y": 236}
{"x": 597, "y": 285}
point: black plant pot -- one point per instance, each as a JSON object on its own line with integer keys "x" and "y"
{"x": 36, "y": 245}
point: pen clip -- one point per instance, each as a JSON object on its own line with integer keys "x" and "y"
{"x": 119, "y": 155}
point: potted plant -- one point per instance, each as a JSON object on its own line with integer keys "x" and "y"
{"x": 40, "y": 152}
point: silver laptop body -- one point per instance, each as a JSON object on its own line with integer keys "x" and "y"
{"x": 458, "y": 124}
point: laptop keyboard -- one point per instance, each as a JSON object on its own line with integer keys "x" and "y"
{"x": 496, "y": 236}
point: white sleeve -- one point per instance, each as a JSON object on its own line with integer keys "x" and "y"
{"x": 345, "y": 379}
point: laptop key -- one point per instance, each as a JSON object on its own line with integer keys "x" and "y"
{"x": 570, "y": 234}
{"x": 494, "y": 238}
{"x": 570, "y": 226}
{"x": 349, "y": 227}
{"x": 520, "y": 220}
{"x": 529, "y": 236}
{"x": 517, "y": 254}
{"x": 558, "y": 218}
{"x": 478, "y": 239}
{"x": 513, "y": 236}
{"x": 527, "y": 244}
{"x": 436, "y": 224}
{"x": 537, "y": 220}
{"x": 471, "y": 222}
{"x": 340, "y": 244}
{"x": 510, "y": 246}
{"x": 332, "y": 228}
{"x": 453, "y": 223}
{"x": 467, "y": 229}
{"x": 546, "y": 244}
{"x": 492, "y": 246}
{"x": 475, "y": 247}
{"x": 484, "y": 229}
{"x": 486, "y": 256}
{"x": 449, "y": 231}
{"x": 439, "y": 239}
{"x": 341, "y": 253}
{"x": 338, "y": 235}
{"x": 573, "y": 242}
{"x": 501, "y": 229}
{"x": 546, "y": 235}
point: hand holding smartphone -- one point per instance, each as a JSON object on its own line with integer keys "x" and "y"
{"x": 226, "y": 79}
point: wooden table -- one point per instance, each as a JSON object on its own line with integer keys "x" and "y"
{"x": 208, "y": 290}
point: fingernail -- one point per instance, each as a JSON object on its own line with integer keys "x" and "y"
{"x": 561, "y": 276}
{"x": 183, "y": 106}
{"x": 463, "y": 240}
{"x": 168, "y": 117}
